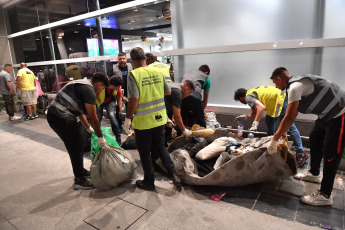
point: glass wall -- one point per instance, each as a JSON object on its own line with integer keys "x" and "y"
{"x": 230, "y": 71}
{"x": 258, "y": 22}
{"x": 28, "y": 14}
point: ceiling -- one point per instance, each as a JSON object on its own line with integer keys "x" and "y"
{"x": 147, "y": 18}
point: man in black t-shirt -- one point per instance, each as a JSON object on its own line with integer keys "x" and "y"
{"x": 173, "y": 106}
{"x": 76, "y": 99}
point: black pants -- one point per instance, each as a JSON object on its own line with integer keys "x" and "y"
{"x": 192, "y": 112}
{"x": 70, "y": 134}
{"x": 327, "y": 141}
{"x": 152, "y": 141}
{"x": 9, "y": 104}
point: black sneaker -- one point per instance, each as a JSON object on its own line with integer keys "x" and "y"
{"x": 148, "y": 187}
{"x": 34, "y": 116}
{"x": 28, "y": 117}
{"x": 87, "y": 173}
{"x": 301, "y": 159}
{"x": 82, "y": 183}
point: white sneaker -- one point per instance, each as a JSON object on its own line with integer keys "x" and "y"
{"x": 15, "y": 118}
{"x": 317, "y": 199}
{"x": 307, "y": 176}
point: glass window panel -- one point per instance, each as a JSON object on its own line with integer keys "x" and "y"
{"x": 32, "y": 13}
{"x": 240, "y": 22}
{"x": 32, "y": 47}
{"x": 333, "y": 68}
{"x": 334, "y": 19}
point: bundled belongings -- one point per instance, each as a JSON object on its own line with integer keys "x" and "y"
{"x": 129, "y": 143}
{"x": 95, "y": 148}
{"x": 244, "y": 161}
{"x": 111, "y": 167}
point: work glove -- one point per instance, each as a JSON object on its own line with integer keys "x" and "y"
{"x": 101, "y": 141}
{"x": 187, "y": 132}
{"x": 285, "y": 135}
{"x": 272, "y": 147}
{"x": 241, "y": 118}
{"x": 254, "y": 126}
{"x": 170, "y": 123}
{"x": 90, "y": 130}
{"x": 127, "y": 125}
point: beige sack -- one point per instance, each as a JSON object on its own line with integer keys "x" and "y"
{"x": 214, "y": 149}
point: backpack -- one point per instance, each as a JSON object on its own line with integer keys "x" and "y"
{"x": 42, "y": 102}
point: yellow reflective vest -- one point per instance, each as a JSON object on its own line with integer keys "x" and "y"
{"x": 150, "y": 112}
{"x": 271, "y": 97}
{"x": 164, "y": 69}
{"x": 102, "y": 95}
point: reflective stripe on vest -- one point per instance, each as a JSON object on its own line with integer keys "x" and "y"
{"x": 271, "y": 97}
{"x": 150, "y": 112}
{"x": 327, "y": 100}
{"x": 164, "y": 69}
{"x": 69, "y": 104}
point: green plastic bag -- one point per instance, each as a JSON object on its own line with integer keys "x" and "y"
{"x": 107, "y": 136}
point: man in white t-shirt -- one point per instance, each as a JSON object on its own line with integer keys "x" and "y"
{"x": 315, "y": 95}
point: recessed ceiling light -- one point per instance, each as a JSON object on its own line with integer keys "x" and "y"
{"x": 78, "y": 24}
{"x": 105, "y": 18}
{"x": 76, "y": 31}
{"x": 135, "y": 10}
{"x": 132, "y": 28}
{"x": 37, "y": 39}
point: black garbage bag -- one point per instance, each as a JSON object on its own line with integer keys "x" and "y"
{"x": 129, "y": 143}
{"x": 86, "y": 137}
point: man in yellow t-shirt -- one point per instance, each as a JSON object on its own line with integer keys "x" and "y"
{"x": 26, "y": 83}
{"x": 73, "y": 71}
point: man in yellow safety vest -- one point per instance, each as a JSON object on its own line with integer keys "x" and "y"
{"x": 146, "y": 88}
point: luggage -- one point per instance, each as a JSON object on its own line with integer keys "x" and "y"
{"x": 42, "y": 102}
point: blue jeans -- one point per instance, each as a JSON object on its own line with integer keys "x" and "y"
{"x": 293, "y": 131}
{"x": 110, "y": 108}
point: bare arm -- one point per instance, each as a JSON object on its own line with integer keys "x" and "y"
{"x": 91, "y": 111}
{"x": 178, "y": 118}
{"x": 205, "y": 98}
{"x": 19, "y": 82}
{"x": 290, "y": 117}
{"x": 132, "y": 106}
{"x": 119, "y": 102}
{"x": 252, "y": 115}
{"x": 167, "y": 94}
{"x": 9, "y": 84}
{"x": 84, "y": 121}
{"x": 260, "y": 109}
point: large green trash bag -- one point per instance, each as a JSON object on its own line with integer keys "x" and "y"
{"x": 107, "y": 136}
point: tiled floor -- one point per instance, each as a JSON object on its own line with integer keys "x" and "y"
{"x": 276, "y": 198}
{"x": 281, "y": 199}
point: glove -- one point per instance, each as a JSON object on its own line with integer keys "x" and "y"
{"x": 241, "y": 118}
{"x": 170, "y": 123}
{"x": 254, "y": 126}
{"x": 90, "y": 130}
{"x": 127, "y": 125}
{"x": 187, "y": 132}
{"x": 101, "y": 141}
{"x": 272, "y": 147}
{"x": 285, "y": 135}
